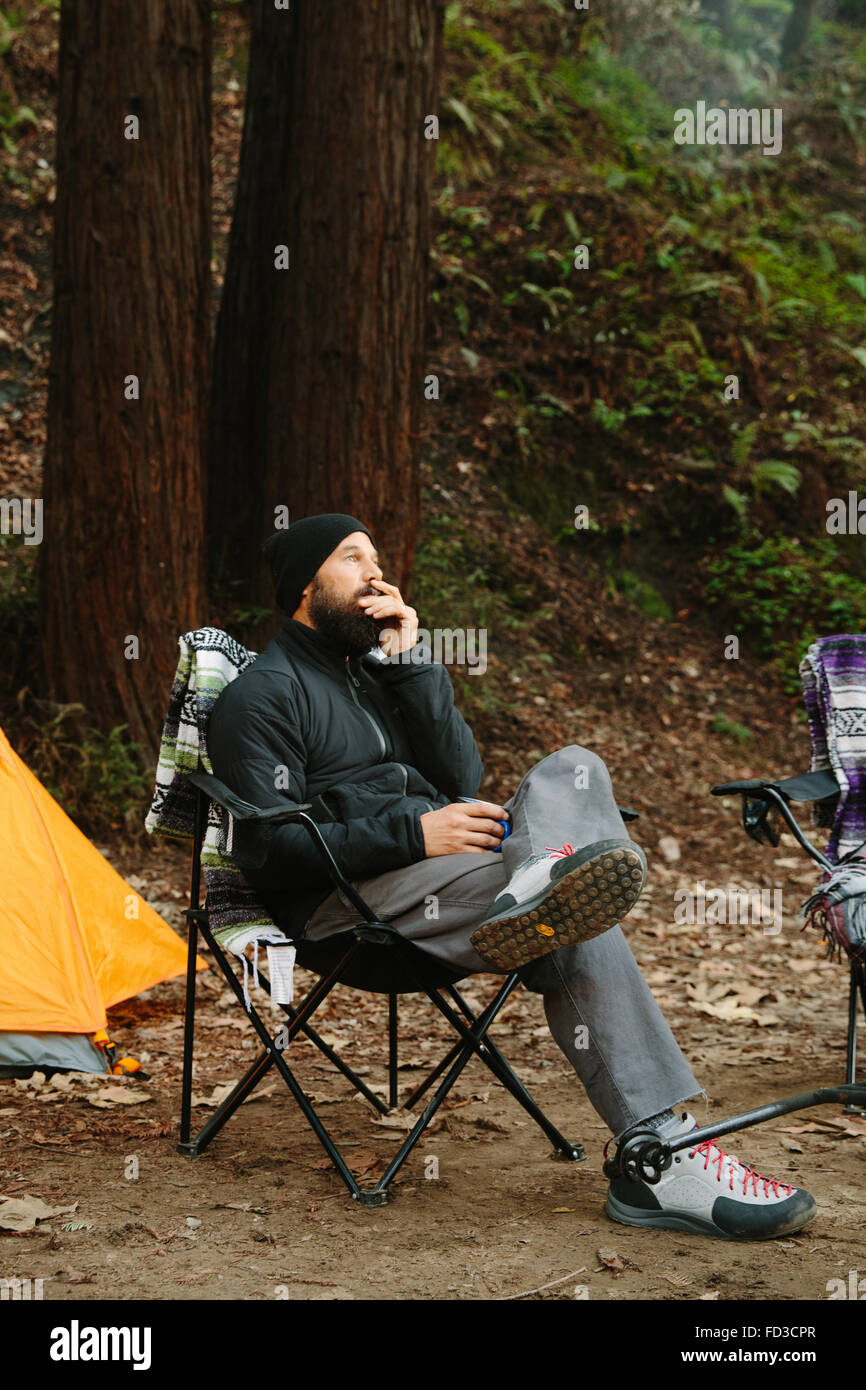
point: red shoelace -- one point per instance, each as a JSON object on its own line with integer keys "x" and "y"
{"x": 563, "y": 853}
{"x": 749, "y": 1174}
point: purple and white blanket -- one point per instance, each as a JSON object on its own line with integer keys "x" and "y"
{"x": 833, "y": 673}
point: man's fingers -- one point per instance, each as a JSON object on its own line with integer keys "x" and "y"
{"x": 485, "y": 808}
{"x": 487, "y": 827}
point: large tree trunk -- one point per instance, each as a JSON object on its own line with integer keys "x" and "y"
{"x": 122, "y": 556}
{"x": 796, "y": 33}
{"x": 318, "y": 368}
{"x": 720, "y": 12}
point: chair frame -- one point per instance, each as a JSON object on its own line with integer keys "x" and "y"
{"x": 643, "y": 1155}
{"x": 371, "y": 942}
{"x": 758, "y": 798}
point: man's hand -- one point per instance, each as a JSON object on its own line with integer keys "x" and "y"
{"x": 463, "y": 828}
{"x": 400, "y": 635}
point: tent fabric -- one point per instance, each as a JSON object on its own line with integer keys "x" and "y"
{"x": 22, "y": 1053}
{"x": 75, "y": 938}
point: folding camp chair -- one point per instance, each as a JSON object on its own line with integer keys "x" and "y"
{"x": 370, "y": 956}
{"x": 640, "y": 1154}
{"x": 764, "y": 803}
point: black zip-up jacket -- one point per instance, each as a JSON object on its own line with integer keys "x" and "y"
{"x": 372, "y": 744}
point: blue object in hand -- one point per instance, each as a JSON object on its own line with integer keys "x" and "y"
{"x": 506, "y": 823}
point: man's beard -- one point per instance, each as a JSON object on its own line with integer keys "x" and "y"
{"x": 342, "y": 622}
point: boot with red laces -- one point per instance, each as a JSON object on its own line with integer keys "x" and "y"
{"x": 711, "y": 1193}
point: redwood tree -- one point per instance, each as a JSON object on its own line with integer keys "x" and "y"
{"x": 318, "y": 368}
{"x": 121, "y": 566}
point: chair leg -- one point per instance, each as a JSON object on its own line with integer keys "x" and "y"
{"x": 188, "y": 1031}
{"x": 393, "y": 1096}
{"x": 273, "y": 1056}
{"x": 851, "y": 1055}
{"x": 332, "y": 1056}
{"x": 377, "y": 1194}
{"x": 437, "y": 1071}
{"x": 251, "y": 1078}
{"x": 495, "y": 1062}
{"x": 858, "y": 986}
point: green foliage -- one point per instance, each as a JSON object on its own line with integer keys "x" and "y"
{"x": 464, "y": 578}
{"x": 782, "y": 593}
{"x": 701, "y": 264}
{"x": 241, "y": 616}
{"x": 18, "y": 589}
{"x": 639, "y": 592}
{"x": 729, "y": 728}
{"x": 97, "y": 777}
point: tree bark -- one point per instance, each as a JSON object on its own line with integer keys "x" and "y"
{"x": 318, "y": 368}
{"x": 720, "y": 12}
{"x": 122, "y": 556}
{"x": 796, "y": 32}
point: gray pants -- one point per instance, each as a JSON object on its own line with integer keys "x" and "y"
{"x": 599, "y": 1007}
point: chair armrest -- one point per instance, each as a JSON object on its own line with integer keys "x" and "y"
{"x": 808, "y": 786}
{"x": 243, "y": 810}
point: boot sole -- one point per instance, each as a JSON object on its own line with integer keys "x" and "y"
{"x": 693, "y": 1225}
{"x": 587, "y": 900}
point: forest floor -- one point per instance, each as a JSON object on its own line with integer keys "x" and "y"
{"x": 759, "y": 1014}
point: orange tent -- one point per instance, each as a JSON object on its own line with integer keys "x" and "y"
{"x": 75, "y": 938}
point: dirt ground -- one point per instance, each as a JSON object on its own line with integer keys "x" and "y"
{"x": 261, "y": 1216}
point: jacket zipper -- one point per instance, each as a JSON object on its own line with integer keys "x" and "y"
{"x": 352, "y": 682}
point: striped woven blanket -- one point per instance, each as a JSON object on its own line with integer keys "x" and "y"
{"x": 833, "y": 673}
{"x": 209, "y": 660}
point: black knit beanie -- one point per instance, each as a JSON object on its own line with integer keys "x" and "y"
{"x": 296, "y": 552}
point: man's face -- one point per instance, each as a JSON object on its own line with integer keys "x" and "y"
{"x": 330, "y": 602}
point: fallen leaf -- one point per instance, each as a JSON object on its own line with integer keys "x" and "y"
{"x": 397, "y": 1119}
{"x": 730, "y": 1011}
{"x": 22, "y": 1213}
{"x": 791, "y": 1146}
{"x": 75, "y": 1276}
{"x": 611, "y": 1260}
{"x": 219, "y": 1094}
{"x": 679, "y": 1281}
{"x": 708, "y": 1297}
{"x": 118, "y": 1095}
